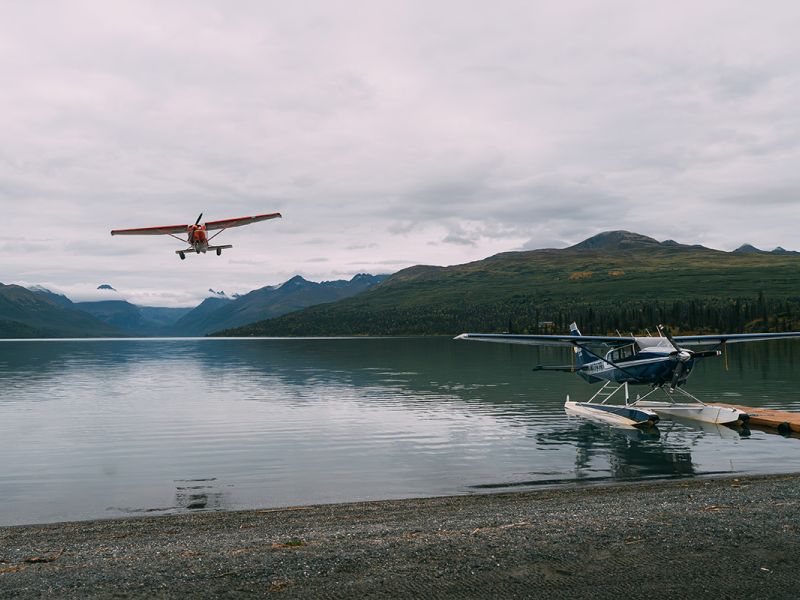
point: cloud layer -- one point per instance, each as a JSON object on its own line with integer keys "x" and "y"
{"x": 388, "y": 134}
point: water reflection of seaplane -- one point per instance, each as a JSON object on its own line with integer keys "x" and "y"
{"x": 197, "y": 236}
{"x": 664, "y": 363}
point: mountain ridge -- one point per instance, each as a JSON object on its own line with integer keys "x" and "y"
{"x": 215, "y": 312}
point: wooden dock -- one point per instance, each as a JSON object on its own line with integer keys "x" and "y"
{"x": 785, "y": 422}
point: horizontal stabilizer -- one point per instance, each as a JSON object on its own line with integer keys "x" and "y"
{"x": 564, "y": 368}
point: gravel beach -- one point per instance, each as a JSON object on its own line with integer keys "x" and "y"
{"x": 691, "y": 538}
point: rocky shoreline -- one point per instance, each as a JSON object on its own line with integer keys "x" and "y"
{"x": 688, "y": 538}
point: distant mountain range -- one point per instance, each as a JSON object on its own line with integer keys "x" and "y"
{"x": 218, "y": 312}
{"x": 39, "y": 312}
{"x": 613, "y": 279}
{"x": 132, "y": 320}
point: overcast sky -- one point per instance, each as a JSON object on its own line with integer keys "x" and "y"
{"x": 387, "y": 133}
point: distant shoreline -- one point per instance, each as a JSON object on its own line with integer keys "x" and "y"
{"x": 399, "y": 336}
{"x": 238, "y": 337}
{"x": 699, "y": 538}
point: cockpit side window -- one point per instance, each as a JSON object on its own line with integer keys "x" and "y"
{"x": 624, "y": 352}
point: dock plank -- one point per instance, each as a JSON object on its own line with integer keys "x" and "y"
{"x": 781, "y": 420}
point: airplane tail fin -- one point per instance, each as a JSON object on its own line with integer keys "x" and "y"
{"x": 581, "y": 357}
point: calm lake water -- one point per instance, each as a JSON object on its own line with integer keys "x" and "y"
{"x": 98, "y": 429}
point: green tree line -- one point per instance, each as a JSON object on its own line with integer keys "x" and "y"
{"x": 524, "y": 314}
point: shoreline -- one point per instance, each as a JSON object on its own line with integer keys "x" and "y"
{"x": 720, "y": 537}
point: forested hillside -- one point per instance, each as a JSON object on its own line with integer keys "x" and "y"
{"x": 616, "y": 280}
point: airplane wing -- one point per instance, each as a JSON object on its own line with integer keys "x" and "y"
{"x": 239, "y": 221}
{"x": 547, "y": 340}
{"x": 732, "y": 338}
{"x": 164, "y": 230}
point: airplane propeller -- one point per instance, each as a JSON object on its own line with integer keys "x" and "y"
{"x": 196, "y": 223}
{"x": 683, "y": 356}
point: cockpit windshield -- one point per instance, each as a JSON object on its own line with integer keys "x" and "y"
{"x": 654, "y": 344}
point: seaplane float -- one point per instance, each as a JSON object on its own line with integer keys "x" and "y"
{"x": 662, "y": 362}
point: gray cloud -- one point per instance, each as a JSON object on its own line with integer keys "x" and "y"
{"x": 462, "y": 240}
{"x": 387, "y": 133}
{"x": 779, "y": 198}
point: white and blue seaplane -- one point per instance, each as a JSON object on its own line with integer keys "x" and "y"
{"x": 662, "y": 362}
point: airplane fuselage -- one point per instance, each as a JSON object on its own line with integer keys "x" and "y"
{"x": 645, "y": 369}
{"x": 198, "y": 238}
{"x": 647, "y": 361}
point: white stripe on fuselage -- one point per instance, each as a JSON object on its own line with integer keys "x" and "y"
{"x": 600, "y": 366}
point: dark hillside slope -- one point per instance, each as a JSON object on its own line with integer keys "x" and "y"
{"x": 163, "y": 316}
{"x": 59, "y": 299}
{"x": 132, "y": 319}
{"x": 614, "y": 280}
{"x": 194, "y": 322}
{"x": 27, "y": 314}
{"x": 125, "y": 318}
{"x": 271, "y": 301}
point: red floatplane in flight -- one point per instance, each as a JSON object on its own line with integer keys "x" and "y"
{"x": 197, "y": 239}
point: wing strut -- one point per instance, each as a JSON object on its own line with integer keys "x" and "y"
{"x": 564, "y": 368}
{"x": 216, "y": 234}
